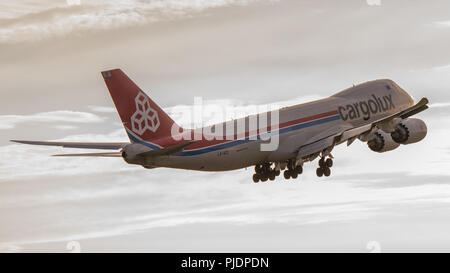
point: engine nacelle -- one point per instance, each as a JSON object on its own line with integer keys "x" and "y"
{"x": 410, "y": 130}
{"x": 382, "y": 142}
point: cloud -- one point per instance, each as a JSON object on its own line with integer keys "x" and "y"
{"x": 442, "y": 67}
{"x": 152, "y": 204}
{"x": 440, "y": 105}
{"x": 38, "y": 23}
{"x": 9, "y": 247}
{"x": 10, "y": 121}
{"x": 391, "y": 180}
{"x": 442, "y": 24}
{"x": 193, "y": 211}
{"x": 65, "y": 127}
{"x": 102, "y": 109}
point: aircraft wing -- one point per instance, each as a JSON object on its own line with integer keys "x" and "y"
{"x": 350, "y": 135}
{"x": 81, "y": 145}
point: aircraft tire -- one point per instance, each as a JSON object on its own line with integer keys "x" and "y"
{"x": 255, "y": 178}
{"x": 299, "y": 169}
{"x": 327, "y": 172}
{"x": 294, "y": 174}
{"x": 264, "y": 178}
{"x": 272, "y": 176}
{"x": 287, "y": 174}
{"x": 319, "y": 172}
{"x": 329, "y": 163}
{"x": 321, "y": 162}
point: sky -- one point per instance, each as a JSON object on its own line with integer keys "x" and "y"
{"x": 235, "y": 53}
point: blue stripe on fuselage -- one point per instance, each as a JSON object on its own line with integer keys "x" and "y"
{"x": 242, "y": 141}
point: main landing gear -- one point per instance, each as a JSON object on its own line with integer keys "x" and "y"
{"x": 292, "y": 170}
{"x": 324, "y": 167}
{"x": 265, "y": 172}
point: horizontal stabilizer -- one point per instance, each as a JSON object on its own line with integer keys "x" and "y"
{"x": 113, "y": 154}
{"x": 81, "y": 145}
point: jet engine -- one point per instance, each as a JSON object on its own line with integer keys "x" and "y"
{"x": 410, "y": 130}
{"x": 382, "y": 142}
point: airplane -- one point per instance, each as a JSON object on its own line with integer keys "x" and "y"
{"x": 377, "y": 112}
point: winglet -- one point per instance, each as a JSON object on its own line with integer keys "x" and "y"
{"x": 417, "y": 108}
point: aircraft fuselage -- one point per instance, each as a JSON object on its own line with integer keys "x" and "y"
{"x": 298, "y": 125}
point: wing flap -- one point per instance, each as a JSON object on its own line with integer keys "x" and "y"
{"x": 81, "y": 145}
{"x": 315, "y": 147}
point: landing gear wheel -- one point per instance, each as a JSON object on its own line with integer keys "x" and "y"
{"x": 327, "y": 172}
{"x": 258, "y": 169}
{"x": 277, "y": 172}
{"x": 287, "y": 174}
{"x": 322, "y": 162}
{"x": 256, "y": 178}
{"x": 294, "y": 174}
{"x": 299, "y": 169}
{"x": 264, "y": 178}
{"x": 329, "y": 162}
{"x": 319, "y": 172}
{"x": 272, "y": 176}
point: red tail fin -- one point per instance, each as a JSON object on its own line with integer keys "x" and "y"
{"x": 141, "y": 116}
